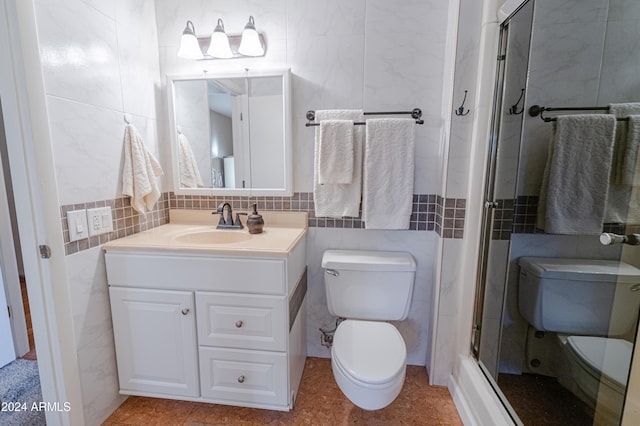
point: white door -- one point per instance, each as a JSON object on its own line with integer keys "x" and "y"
{"x": 155, "y": 337}
{"x": 7, "y": 350}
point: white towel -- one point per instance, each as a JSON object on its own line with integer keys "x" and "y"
{"x": 575, "y": 184}
{"x": 188, "y": 165}
{"x": 339, "y": 200}
{"x": 139, "y": 172}
{"x": 625, "y": 150}
{"x": 388, "y": 169}
{"x": 623, "y": 204}
{"x": 335, "y": 162}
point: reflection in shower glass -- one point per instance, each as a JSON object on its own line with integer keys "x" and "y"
{"x": 558, "y": 312}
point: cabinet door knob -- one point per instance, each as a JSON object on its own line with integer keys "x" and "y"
{"x": 241, "y": 379}
{"x": 185, "y": 311}
{"x": 239, "y": 323}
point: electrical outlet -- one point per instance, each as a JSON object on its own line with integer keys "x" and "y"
{"x": 77, "y": 224}
{"x": 100, "y": 220}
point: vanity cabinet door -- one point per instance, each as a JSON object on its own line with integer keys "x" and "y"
{"x": 155, "y": 339}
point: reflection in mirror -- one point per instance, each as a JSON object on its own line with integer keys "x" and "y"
{"x": 231, "y": 134}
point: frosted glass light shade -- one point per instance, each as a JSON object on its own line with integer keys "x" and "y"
{"x": 189, "y": 46}
{"x": 250, "y": 44}
{"x": 219, "y": 47}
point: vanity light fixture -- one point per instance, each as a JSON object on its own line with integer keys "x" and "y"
{"x": 250, "y": 44}
{"x": 189, "y": 46}
{"x": 221, "y": 45}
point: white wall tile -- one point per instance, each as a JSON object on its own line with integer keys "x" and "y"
{"x": 620, "y": 78}
{"x": 99, "y": 380}
{"x": 89, "y": 297}
{"x": 334, "y": 18}
{"x": 327, "y": 72}
{"x": 105, "y": 6}
{"x": 87, "y": 142}
{"x": 138, "y": 56}
{"x": 79, "y": 52}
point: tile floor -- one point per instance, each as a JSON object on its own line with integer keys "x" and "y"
{"x": 319, "y": 402}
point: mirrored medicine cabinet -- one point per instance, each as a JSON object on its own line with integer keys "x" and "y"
{"x": 230, "y": 133}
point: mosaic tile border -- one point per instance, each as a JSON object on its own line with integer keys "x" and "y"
{"x": 126, "y": 221}
{"x": 430, "y": 212}
{"x": 519, "y": 215}
{"x": 450, "y": 217}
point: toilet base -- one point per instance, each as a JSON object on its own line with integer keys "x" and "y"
{"x": 368, "y": 397}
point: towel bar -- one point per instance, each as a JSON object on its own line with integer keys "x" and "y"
{"x": 416, "y": 114}
{"x": 537, "y": 110}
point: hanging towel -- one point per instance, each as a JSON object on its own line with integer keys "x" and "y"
{"x": 575, "y": 184}
{"x": 335, "y": 162}
{"x": 334, "y": 199}
{"x": 189, "y": 172}
{"x": 626, "y": 146}
{"x": 139, "y": 172}
{"x": 630, "y": 169}
{"x": 388, "y": 169}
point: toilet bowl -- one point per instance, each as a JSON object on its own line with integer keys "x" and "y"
{"x": 369, "y": 362}
{"x": 599, "y": 368}
{"x": 368, "y": 355}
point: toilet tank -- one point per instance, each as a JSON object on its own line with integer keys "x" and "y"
{"x": 579, "y": 296}
{"x": 370, "y": 285}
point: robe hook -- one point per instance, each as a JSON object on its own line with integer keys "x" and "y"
{"x": 460, "y": 111}
{"x": 514, "y": 108}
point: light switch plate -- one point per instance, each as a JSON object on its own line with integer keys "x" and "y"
{"x": 77, "y": 224}
{"x": 100, "y": 220}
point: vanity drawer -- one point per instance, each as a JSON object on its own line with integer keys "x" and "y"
{"x": 242, "y": 321}
{"x": 206, "y": 272}
{"x": 252, "y": 377}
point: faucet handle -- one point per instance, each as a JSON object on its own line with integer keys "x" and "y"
{"x": 221, "y": 221}
{"x": 238, "y": 222}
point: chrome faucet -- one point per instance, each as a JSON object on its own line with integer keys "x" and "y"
{"x": 228, "y": 222}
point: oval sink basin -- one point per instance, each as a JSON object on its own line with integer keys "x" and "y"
{"x": 213, "y": 237}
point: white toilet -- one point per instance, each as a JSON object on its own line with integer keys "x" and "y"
{"x": 369, "y": 356}
{"x": 576, "y": 298}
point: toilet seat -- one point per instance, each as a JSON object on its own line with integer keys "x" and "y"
{"x": 606, "y": 359}
{"x": 369, "y": 352}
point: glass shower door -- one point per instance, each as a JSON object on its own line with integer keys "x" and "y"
{"x": 559, "y": 54}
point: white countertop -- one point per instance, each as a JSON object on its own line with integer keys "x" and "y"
{"x": 281, "y": 233}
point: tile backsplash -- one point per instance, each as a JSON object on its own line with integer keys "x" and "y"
{"x": 430, "y": 212}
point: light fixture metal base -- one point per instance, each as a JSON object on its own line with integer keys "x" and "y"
{"x": 234, "y": 43}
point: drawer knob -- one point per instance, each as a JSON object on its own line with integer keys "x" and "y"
{"x": 241, "y": 379}
{"x": 239, "y": 323}
{"x": 185, "y": 311}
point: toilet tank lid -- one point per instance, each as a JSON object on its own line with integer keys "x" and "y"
{"x": 581, "y": 269}
{"x": 363, "y": 260}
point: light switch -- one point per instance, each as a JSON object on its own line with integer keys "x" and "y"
{"x": 77, "y": 224}
{"x": 100, "y": 220}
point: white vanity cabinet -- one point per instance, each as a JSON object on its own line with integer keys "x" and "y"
{"x": 209, "y": 327}
{"x": 155, "y": 335}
